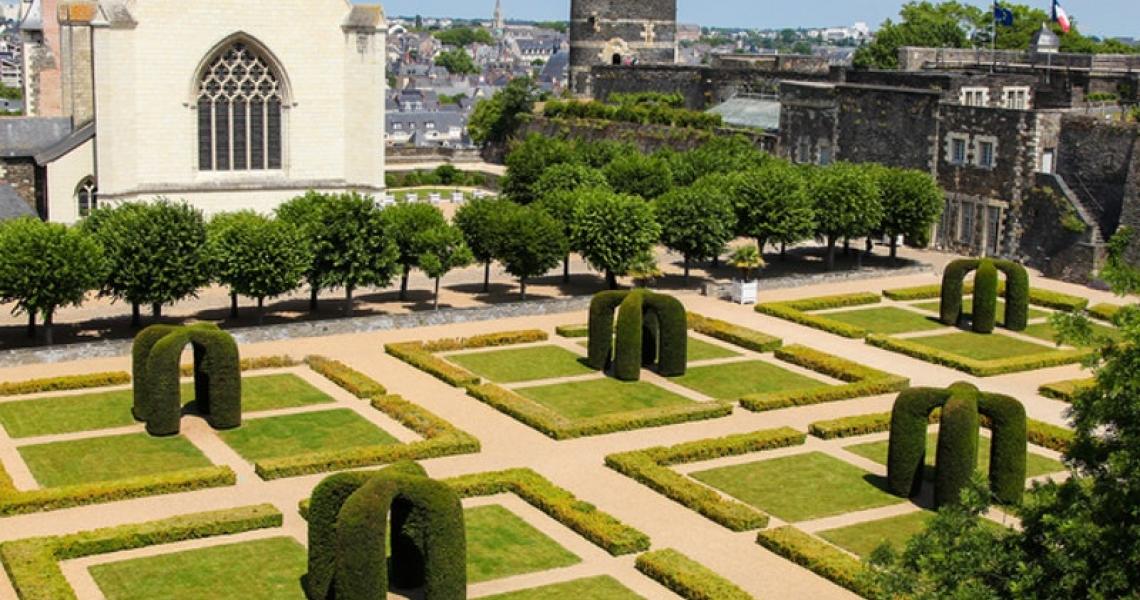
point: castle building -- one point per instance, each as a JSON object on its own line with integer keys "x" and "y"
{"x": 606, "y": 32}
{"x": 215, "y": 103}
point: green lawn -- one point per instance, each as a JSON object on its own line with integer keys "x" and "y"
{"x": 980, "y": 346}
{"x": 289, "y": 435}
{"x": 1046, "y": 331}
{"x": 105, "y": 410}
{"x": 697, "y": 350}
{"x": 733, "y": 380}
{"x": 592, "y": 588}
{"x": 522, "y": 364}
{"x": 109, "y": 458}
{"x": 886, "y": 319}
{"x": 968, "y": 309}
{"x": 801, "y": 487}
{"x": 1035, "y": 464}
{"x": 258, "y": 570}
{"x": 501, "y": 544}
{"x": 582, "y": 399}
{"x": 865, "y": 538}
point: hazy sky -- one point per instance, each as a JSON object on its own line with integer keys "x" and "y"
{"x": 1098, "y": 17}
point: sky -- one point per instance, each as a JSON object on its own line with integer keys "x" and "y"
{"x": 1095, "y": 17}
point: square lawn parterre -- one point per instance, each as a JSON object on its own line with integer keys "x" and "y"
{"x": 501, "y": 544}
{"x": 697, "y": 350}
{"x": 268, "y": 569}
{"x": 596, "y": 397}
{"x": 593, "y": 588}
{"x": 1035, "y": 464}
{"x": 105, "y": 410}
{"x": 864, "y": 538}
{"x": 968, "y": 309}
{"x": 1046, "y": 331}
{"x": 981, "y": 346}
{"x": 522, "y": 364}
{"x": 886, "y": 320}
{"x": 733, "y": 380}
{"x": 801, "y": 487}
{"x": 290, "y": 435}
{"x": 110, "y": 458}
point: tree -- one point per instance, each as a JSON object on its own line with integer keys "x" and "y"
{"x": 723, "y": 154}
{"x": 532, "y": 245}
{"x": 258, "y": 257}
{"x": 464, "y": 36}
{"x": 406, "y": 221}
{"x": 557, "y": 193}
{"x": 442, "y": 249}
{"x": 695, "y": 223}
{"x": 639, "y": 175}
{"x": 610, "y": 231}
{"x": 457, "y": 62}
{"x": 45, "y": 266}
{"x": 483, "y": 224}
{"x": 304, "y": 214}
{"x": 356, "y": 249}
{"x": 912, "y": 203}
{"x": 560, "y": 205}
{"x": 847, "y": 204}
{"x": 156, "y": 252}
{"x": 529, "y": 160}
{"x": 497, "y": 119}
{"x": 772, "y": 204}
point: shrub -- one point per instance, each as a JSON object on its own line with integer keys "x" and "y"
{"x": 257, "y": 363}
{"x": 650, "y": 467}
{"x": 673, "y": 351}
{"x": 1104, "y": 312}
{"x": 1049, "y": 436}
{"x": 573, "y": 331}
{"x": 733, "y": 334}
{"x": 32, "y": 564}
{"x": 796, "y": 312}
{"x": 1065, "y": 391}
{"x": 217, "y": 377}
{"x": 957, "y": 455}
{"x": 66, "y": 382}
{"x": 922, "y": 292}
{"x": 1008, "y": 446}
{"x": 687, "y": 577}
{"x": 851, "y": 426}
{"x": 978, "y": 368}
{"x": 628, "y": 341}
{"x": 953, "y": 280}
{"x": 985, "y": 298}
{"x": 817, "y": 556}
{"x": 487, "y": 340}
{"x": 861, "y": 381}
{"x": 907, "y": 447}
{"x": 353, "y": 381}
{"x": 140, "y": 353}
{"x": 416, "y": 355}
{"x": 1016, "y": 295}
{"x": 651, "y": 330}
{"x": 1057, "y": 300}
{"x": 601, "y": 328}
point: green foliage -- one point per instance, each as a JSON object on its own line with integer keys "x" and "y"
{"x": 414, "y": 354}
{"x": 483, "y": 223}
{"x": 640, "y": 113}
{"x": 356, "y": 383}
{"x": 442, "y": 249}
{"x": 444, "y": 175}
{"x": 1017, "y": 295}
{"x": 953, "y": 280}
{"x": 674, "y": 100}
{"x": 457, "y": 62}
{"x": 497, "y": 119}
{"x": 985, "y": 297}
{"x": 978, "y": 368}
{"x": 797, "y": 312}
{"x": 848, "y": 203}
{"x": 912, "y": 204}
{"x": 464, "y": 36}
{"x": 406, "y": 223}
{"x": 611, "y": 230}
{"x": 601, "y": 328}
{"x": 687, "y": 577}
{"x": 1066, "y": 390}
{"x": 528, "y": 160}
{"x": 861, "y": 381}
{"x": 156, "y": 252}
{"x": 850, "y": 426}
{"x": 817, "y": 556}
{"x": 695, "y": 224}
{"x": 1104, "y": 311}
{"x": 45, "y": 266}
{"x": 636, "y": 174}
{"x": 651, "y": 467}
{"x": 33, "y": 564}
{"x": 733, "y": 334}
{"x": 10, "y": 93}
{"x": 66, "y": 382}
{"x": 627, "y": 337}
{"x": 566, "y": 177}
{"x": 1008, "y": 448}
{"x": 572, "y": 331}
{"x": 559, "y": 26}
{"x": 772, "y": 204}
{"x": 720, "y": 155}
{"x": 533, "y": 243}
{"x": 257, "y": 256}
{"x": 957, "y": 454}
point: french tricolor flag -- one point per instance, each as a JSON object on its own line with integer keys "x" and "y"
{"x": 1061, "y": 17}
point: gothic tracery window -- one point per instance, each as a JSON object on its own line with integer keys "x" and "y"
{"x": 239, "y": 112}
{"x": 86, "y": 196}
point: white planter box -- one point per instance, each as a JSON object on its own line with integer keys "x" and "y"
{"x": 745, "y": 292}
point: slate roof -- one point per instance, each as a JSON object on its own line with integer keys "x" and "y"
{"x": 29, "y": 136}
{"x": 12, "y": 206}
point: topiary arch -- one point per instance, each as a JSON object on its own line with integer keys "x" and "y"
{"x": 348, "y": 529}
{"x": 985, "y": 293}
{"x": 652, "y": 329}
{"x": 963, "y": 405}
{"x": 156, "y": 363}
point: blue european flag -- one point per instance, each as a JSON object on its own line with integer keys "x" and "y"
{"x": 1003, "y": 16}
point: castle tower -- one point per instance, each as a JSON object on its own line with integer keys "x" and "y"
{"x": 500, "y": 24}
{"x": 612, "y": 32}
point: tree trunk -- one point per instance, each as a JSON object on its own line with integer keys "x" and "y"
{"x": 859, "y": 259}
{"x": 894, "y": 248}
{"x": 783, "y": 251}
{"x": 49, "y": 339}
{"x": 348, "y": 300}
{"x": 404, "y": 284}
{"x": 435, "y": 302}
{"x": 846, "y": 246}
{"x": 136, "y": 314}
{"x": 566, "y": 269}
{"x": 261, "y": 311}
{"x": 522, "y": 288}
{"x": 687, "y": 260}
{"x": 830, "y": 252}
{"x": 32, "y": 324}
{"x": 487, "y": 277}
{"x": 314, "y": 295}
{"x": 156, "y": 310}
{"x": 233, "y": 305}
{"x": 611, "y": 280}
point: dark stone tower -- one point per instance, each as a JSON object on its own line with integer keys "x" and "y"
{"x": 608, "y": 32}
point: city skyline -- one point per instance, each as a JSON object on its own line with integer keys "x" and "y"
{"x": 1108, "y": 18}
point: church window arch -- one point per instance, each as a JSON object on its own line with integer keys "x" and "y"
{"x": 240, "y": 95}
{"x": 86, "y": 196}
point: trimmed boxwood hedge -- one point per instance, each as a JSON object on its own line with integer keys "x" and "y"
{"x": 734, "y": 334}
{"x": 980, "y": 368}
{"x": 797, "y": 312}
{"x": 985, "y": 298}
{"x": 601, "y": 328}
{"x": 257, "y": 363}
{"x": 687, "y": 577}
{"x": 573, "y": 331}
{"x": 354, "y": 382}
{"x": 416, "y": 355}
{"x": 651, "y": 330}
{"x": 673, "y": 334}
{"x": 861, "y": 381}
{"x": 1104, "y": 312}
{"x": 140, "y": 353}
{"x": 558, "y": 427}
{"x": 1066, "y": 391}
{"x": 1008, "y": 448}
{"x": 651, "y": 467}
{"x": 33, "y": 564}
{"x": 953, "y": 280}
{"x": 817, "y": 556}
{"x": 627, "y": 337}
{"x": 1016, "y": 295}
{"x": 957, "y": 456}
{"x": 907, "y": 445}
{"x": 64, "y": 383}
{"x": 922, "y": 292}
{"x": 1057, "y": 300}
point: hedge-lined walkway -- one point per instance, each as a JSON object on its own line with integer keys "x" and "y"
{"x": 576, "y": 465}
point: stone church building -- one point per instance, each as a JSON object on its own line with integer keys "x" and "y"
{"x": 225, "y": 104}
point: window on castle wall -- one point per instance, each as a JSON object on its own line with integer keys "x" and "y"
{"x": 958, "y": 151}
{"x": 966, "y": 235}
{"x": 86, "y": 197}
{"x": 993, "y": 230}
{"x": 239, "y": 112}
{"x": 986, "y": 155}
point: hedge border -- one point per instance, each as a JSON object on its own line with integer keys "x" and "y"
{"x": 796, "y": 312}
{"x": 1104, "y": 311}
{"x": 746, "y": 338}
{"x": 32, "y": 564}
{"x": 980, "y": 368}
{"x": 817, "y": 556}
{"x": 650, "y": 467}
{"x": 345, "y": 377}
{"x": 256, "y": 363}
{"x": 421, "y": 355}
{"x": 1066, "y": 391}
{"x": 861, "y": 381}
{"x": 558, "y": 427}
{"x": 1037, "y": 296}
{"x": 1038, "y": 433}
{"x": 64, "y": 383}
{"x": 573, "y": 331}
{"x": 687, "y": 577}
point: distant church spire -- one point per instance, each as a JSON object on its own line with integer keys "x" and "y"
{"x": 500, "y": 25}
